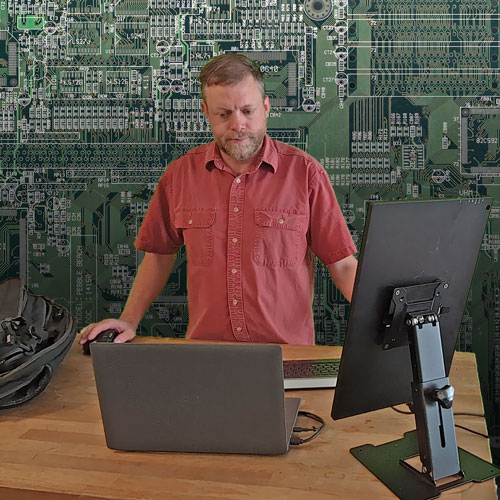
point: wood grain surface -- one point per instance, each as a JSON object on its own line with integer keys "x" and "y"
{"x": 53, "y": 448}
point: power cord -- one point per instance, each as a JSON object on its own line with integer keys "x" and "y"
{"x": 458, "y": 414}
{"x": 397, "y": 410}
{"x": 296, "y": 440}
{"x": 473, "y": 431}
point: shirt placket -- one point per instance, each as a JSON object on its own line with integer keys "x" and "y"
{"x": 234, "y": 249}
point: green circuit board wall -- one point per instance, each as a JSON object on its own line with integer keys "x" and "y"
{"x": 397, "y": 99}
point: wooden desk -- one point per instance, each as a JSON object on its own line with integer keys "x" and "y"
{"x": 53, "y": 448}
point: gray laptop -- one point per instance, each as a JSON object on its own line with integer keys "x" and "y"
{"x": 194, "y": 397}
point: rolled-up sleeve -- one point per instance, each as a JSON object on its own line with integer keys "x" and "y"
{"x": 158, "y": 233}
{"x": 329, "y": 235}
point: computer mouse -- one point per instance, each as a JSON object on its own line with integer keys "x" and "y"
{"x": 105, "y": 336}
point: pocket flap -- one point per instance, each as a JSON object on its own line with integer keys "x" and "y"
{"x": 279, "y": 219}
{"x": 195, "y": 218}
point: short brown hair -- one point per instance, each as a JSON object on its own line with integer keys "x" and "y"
{"x": 230, "y": 69}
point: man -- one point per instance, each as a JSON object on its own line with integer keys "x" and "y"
{"x": 251, "y": 212}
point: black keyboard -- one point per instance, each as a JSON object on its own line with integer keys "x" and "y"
{"x": 310, "y": 373}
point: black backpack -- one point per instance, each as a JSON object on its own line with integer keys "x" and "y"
{"x": 35, "y": 335}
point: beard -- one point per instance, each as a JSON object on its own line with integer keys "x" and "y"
{"x": 241, "y": 151}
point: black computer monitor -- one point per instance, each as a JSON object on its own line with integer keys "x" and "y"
{"x": 415, "y": 267}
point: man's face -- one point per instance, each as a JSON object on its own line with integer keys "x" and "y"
{"x": 237, "y": 115}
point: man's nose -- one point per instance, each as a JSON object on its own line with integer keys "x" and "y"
{"x": 237, "y": 121}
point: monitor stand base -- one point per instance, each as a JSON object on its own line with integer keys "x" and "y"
{"x": 388, "y": 462}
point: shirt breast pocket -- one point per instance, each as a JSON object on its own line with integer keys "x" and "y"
{"x": 279, "y": 237}
{"x": 198, "y": 231}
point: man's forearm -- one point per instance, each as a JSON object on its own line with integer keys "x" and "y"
{"x": 343, "y": 274}
{"x": 148, "y": 283}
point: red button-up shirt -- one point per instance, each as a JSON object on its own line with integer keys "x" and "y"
{"x": 249, "y": 239}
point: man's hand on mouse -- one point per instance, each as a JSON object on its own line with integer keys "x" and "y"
{"x": 126, "y": 330}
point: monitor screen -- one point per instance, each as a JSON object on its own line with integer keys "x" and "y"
{"x": 405, "y": 243}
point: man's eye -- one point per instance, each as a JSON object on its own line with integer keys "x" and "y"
{"x": 223, "y": 116}
{"x": 247, "y": 111}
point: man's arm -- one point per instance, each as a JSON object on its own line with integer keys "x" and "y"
{"x": 343, "y": 273}
{"x": 148, "y": 283}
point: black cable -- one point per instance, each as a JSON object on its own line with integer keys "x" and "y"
{"x": 296, "y": 440}
{"x": 401, "y": 411}
{"x": 457, "y": 414}
{"x": 473, "y": 432}
{"x": 466, "y": 414}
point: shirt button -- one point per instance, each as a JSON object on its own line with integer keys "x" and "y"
{"x": 238, "y": 180}
{"x": 235, "y": 302}
{"x": 190, "y": 221}
{"x": 281, "y": 221}
{"x": 239, "y": 329}
{"x": 234, "y": 271}
{"x": 235, "y": 240}
{"x": 236, "y": 209}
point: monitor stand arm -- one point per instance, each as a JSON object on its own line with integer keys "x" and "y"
{"x": 432, "y": 399}
{"x": 443, "y": 465}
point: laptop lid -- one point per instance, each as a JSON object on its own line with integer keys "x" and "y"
{"x": 193, "y": 397}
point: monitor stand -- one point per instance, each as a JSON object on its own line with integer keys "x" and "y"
{"x": 443, "y": 464}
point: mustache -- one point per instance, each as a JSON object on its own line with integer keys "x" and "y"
{"x": 238, "y": 136}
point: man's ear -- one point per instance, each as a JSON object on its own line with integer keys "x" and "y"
{"x": 267, "y": 106}
{"x": 204, "y": 108}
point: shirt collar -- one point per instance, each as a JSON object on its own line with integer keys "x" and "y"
{"x": 268, "y": 155}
